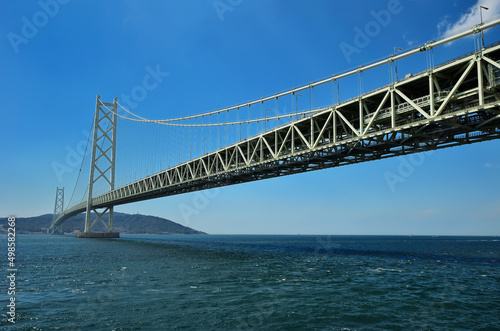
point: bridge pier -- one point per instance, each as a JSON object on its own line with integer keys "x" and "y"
{"x": 98, "y": 235}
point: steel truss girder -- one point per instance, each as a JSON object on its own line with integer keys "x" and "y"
{"x": 421, "y": 113}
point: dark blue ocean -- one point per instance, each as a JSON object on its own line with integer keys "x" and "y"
{"x": 161, "y": 282}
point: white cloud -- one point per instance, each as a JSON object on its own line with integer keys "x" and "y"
{"x": 470, "y": 18}
{"x": 491, "y": 166}
{"x": 409, "y": 43}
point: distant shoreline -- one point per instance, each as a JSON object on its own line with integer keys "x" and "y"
{"x": 123, "y": 223}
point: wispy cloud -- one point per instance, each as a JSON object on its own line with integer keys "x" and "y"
{"x": 470, "y": 18}
{"x": 491, "y": 166}
{"x": 408, "y": 41}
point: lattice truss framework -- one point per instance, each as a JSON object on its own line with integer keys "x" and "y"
{"x": 454, "y": 104}
{"x": 103, "y": 161}
{"x": 58, "y": 209}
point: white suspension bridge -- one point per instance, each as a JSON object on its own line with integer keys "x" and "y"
{"x": 452, "y": 104}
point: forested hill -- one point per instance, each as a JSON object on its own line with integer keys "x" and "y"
{"x": 123, "y": 223}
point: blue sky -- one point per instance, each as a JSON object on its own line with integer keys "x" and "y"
{"x": 57, "y": 55}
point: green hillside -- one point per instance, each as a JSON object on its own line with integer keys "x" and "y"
{"x": 123, "y": 223}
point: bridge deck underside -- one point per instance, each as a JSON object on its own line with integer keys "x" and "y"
{"x": 455, "y": 104}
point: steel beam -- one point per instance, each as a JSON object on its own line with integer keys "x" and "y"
{"x": 366, "y": 128}
{"x": 103, "y": 151}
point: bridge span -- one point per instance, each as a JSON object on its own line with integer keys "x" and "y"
{"x": 452, "y": 104}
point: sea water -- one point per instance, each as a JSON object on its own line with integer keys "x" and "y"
{"x": 211, "y": 282}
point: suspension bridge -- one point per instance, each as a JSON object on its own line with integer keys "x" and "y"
{"x": 446, "y": 105}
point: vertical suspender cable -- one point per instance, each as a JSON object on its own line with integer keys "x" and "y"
{"x": 338, "y": 90}
{"x": 276, "y": 110}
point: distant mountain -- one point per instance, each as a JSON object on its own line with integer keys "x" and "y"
{"x": 123, "y": 223}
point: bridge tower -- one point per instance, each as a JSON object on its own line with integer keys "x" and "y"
{"x": 102, "y": 166}
{"x": 58, "y": 208}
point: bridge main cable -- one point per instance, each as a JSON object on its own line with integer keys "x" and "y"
{"x": 331, "y": 139}
{"x": 427, "y": 46}
{"x": 167, "y": 122}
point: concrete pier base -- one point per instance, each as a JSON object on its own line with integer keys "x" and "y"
{"x": 98, "y": 235}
